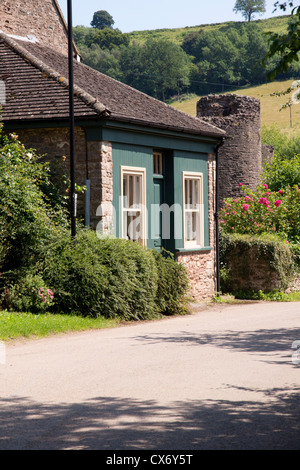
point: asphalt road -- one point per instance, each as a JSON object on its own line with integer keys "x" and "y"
{"x": 225, "y": 377}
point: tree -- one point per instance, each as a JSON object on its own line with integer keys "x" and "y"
{"x": 158, "y": 67}
{"x": 287, "y": 46}
{"x": 230, "y": 56}
{"x": 249, "y": 8}
{"x": 102, "y": 19}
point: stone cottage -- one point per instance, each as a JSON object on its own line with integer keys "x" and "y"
{"x": 149, "y": 168}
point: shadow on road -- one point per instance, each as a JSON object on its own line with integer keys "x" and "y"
{"x": 126, "y": 424}
{"x": 263, "y": 342}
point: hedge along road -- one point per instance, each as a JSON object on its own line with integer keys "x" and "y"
{"x": 225, "y": 377}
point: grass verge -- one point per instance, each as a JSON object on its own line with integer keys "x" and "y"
{"x": 275, "y": 296}
{"x": 15, "y": 325}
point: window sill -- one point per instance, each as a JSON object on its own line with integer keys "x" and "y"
{"x": 192, "y": 249}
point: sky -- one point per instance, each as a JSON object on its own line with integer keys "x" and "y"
{"x": 138, "y": 15}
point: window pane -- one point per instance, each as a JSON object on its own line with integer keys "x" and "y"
{"x": 158, "y": 163}
{"x": 125, "y": 191}
{"x": 137, "y": 191}
{"x": 192, "y": 210}
{"x": 132, "y": 206}
{"x": 133, "y": 226}
{"x": 195, "y": 198}
{"x": 130, "y": 195}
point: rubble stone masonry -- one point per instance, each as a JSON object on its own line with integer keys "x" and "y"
{"x": 93, "y": 161}
{"x": 240, "y": 157}
{"x": 201, "y": 265}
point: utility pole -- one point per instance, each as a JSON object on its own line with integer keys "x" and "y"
{"x": 72, "y": 124}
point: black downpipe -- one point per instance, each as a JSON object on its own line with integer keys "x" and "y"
{"x": 72, "y": 124}
{"x": 217, "y": 217}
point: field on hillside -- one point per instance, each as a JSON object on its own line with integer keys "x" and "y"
{"x": 271, "y": 113}
{"x": 277, "y": 24}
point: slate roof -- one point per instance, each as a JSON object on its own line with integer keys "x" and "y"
{"x": 36, "y": 79}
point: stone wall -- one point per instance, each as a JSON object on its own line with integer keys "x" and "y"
{"x": 241, "y": 155}
{"x": 201, "y": 265}
{"x": 93, "y": 160}
{"x": 39, "y": 18}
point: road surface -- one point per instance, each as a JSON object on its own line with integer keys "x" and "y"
{"x": 225, "y": 377}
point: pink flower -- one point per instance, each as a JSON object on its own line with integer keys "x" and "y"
{"x": 241, "y": 184}
{"x": 248, "y": 198}
{"x": 233, "y": 212}
{"x": 264, "y": 201}
{"x": 277, "y": 203}
{"x": 265, "y": 186}
{"x": 280, "y": 191}
{"x": 245, "y": 207}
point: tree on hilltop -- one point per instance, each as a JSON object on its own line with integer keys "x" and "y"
{"x": 102, "y": 19}
{"x": 249, "y": 8}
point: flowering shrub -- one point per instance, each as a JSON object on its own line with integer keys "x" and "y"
{"x": 263, "y": 211}
{"x": 29, "y": 294}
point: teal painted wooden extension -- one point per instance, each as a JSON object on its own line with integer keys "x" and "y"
{"x": 163, "y": 191}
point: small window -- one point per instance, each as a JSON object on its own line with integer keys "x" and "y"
{"x": 133, "y": 192}
{"x": 193, "y": 210}
{"x": 157, "y": 163}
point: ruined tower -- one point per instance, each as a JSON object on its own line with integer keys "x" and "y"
{"x": 241, "y": 154}
{"x": 36, "y": 20}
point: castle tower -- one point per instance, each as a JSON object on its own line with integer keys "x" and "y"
{"x": 40, "y": 20}
{"x": 241, "y": 153}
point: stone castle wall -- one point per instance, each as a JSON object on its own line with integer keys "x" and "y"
{"x": 37, "y": 18}
{"x": 240, "y": 157}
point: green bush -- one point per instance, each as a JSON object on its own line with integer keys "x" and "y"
{"x": 282, "y": 172}
{"x": 26, "y": 214}
{"x": 108, "y": 277}
{"x": 267, "y": 250}
{"x": 284, "y": 146}
{"x": 29, "y": 294}
{"x": 112, "y": 277}
{"x": 173, "y": 284}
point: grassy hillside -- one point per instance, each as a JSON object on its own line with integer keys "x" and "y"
{"x": 271, "y": 113}
{"x": 277, "y": 25}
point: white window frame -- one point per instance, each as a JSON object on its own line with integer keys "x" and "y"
{"x": 198, "y": 210}
{"x": 141, "y": 208}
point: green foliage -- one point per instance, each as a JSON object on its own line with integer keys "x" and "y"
{"x": 268, "y": 247}
{"x": 106, "y": 38}
{"x": 102, "y": 19}
{"x": 273, "y": 296}
{"x": 104, "y": 60}
{"x": 112, "y": 278}
{"x": 108, "y": 277}
{"x": 284, "y": 146}
{"x": 286, "y": 46}
{"x": 173, "y": 284}
{"x": 282, "y": 172}
{"x": 249, "y": 8}
{"x": 157, "y": 67}
{"x": 217, "y": 57}
{"x": 230, "y": 56}
{"x": 26, "y": 206}
{"x": 29, "y": 294}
